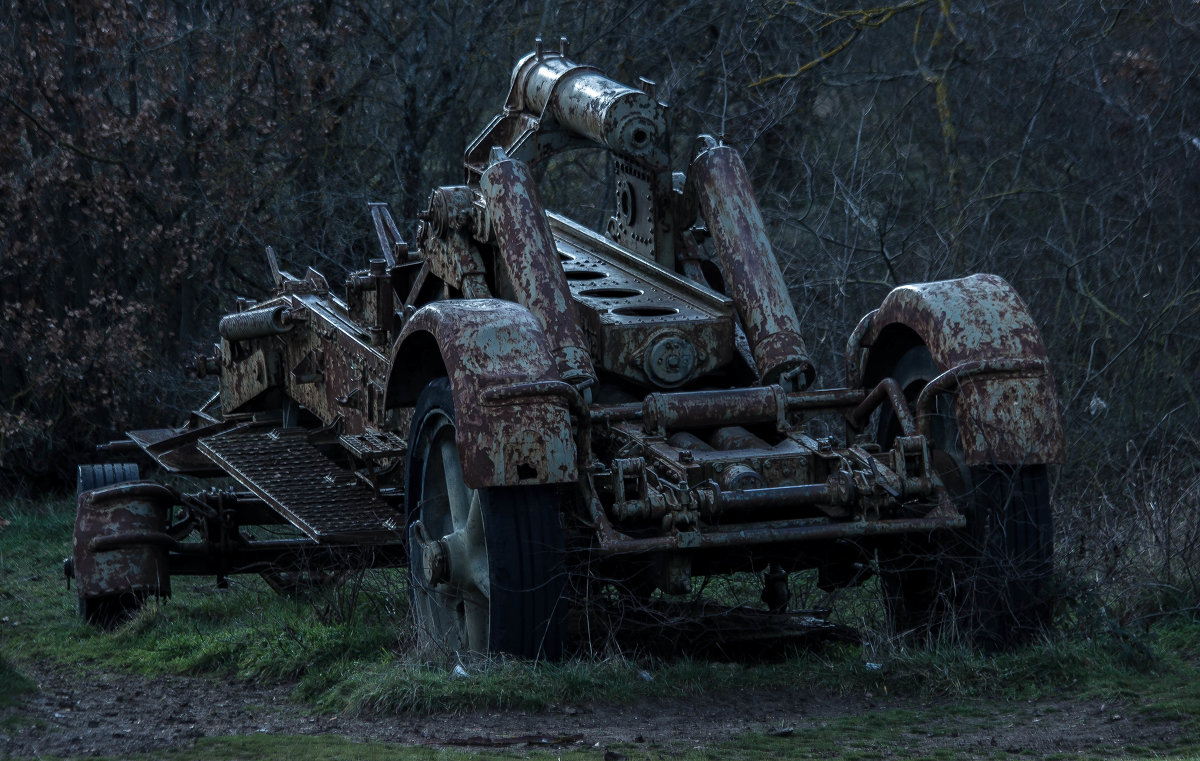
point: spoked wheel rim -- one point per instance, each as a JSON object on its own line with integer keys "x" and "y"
{"x": 487, "y": 564}
{"x": 448, "y": 548}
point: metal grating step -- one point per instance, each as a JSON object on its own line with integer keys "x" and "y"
{"x": 323, "y": 500}
{"x": 374, "y": 445}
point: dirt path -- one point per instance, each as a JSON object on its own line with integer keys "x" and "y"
{"x": 117, "y": 715}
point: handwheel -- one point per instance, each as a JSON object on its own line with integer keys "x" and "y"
{"x": 990, "y": 578}
{"x": 486, "y": 565}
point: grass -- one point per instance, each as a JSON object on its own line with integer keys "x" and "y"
{"x": 245, "y": 630}
{"x": 15, "y": 683}
{"x": 347, "y": 651}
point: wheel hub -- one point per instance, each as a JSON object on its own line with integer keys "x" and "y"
{"x": 435, "y": 556}
{"x": 436, "y": 562}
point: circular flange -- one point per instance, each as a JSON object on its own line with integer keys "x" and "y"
{"x": 670, "y": 359}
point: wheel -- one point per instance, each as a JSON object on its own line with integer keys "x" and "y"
{"x": 94, "y": 476}
{"x": 107, "y": 610}
{"x": 487, "y": 573}
{"x": 989, "y": 579}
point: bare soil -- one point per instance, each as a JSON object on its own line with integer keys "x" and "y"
{"x": 107, "y": 714}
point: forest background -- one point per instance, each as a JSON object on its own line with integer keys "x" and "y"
{"x": 149, "y": 151}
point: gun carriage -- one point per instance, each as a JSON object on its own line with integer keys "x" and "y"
{"x": 513, "y": 399}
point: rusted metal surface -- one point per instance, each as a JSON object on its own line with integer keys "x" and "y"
{"x": 131, "y": 509}
{"x": 554, "y": 101}
{"x": 502, "y": 441}
{"x": 756, "y": 283}
{"x": 331, "y": 367}
{"x": 1011, "y": 417}
{"x": 555, "y": 104}
{"x": 529, "y": 259}
{"x": 124, "y": 547}
{"x": 326, "y": 502}
{"x": 644, "y": 323}
{"x": 781, "y": 532}
{"x": 756, "y": 404}
{"x": 766, "y": 404}
{"x": 445, "y": 240}
{"x": 585, "y": 102}
{"x": 952, "y": 380}
{"x": 662, "y": 425}
{"x": 888, "y": 389}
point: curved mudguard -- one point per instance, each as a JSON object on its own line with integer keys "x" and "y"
{"x": 979, "y": 328}
{"x": 118, "y": 543}
{"x": 511, "y": 406}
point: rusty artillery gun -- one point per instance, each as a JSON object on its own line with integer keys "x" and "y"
{"x": 514, "y": 400}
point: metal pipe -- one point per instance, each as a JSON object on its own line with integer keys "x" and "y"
{"x": 889, "y": 388}
{"x": 835, "y": 491}
{"x": 202, "y": 559}
{"x": 530, "y": 259}
{"x": 700, "y": 409}
{"x": 128, "y": 539}
{"x": 719, "y": 180}
{"x": 794, "y": 401}
{"x": 775, "y": 533}
{"x": 736, "y": 437}
{"x": 824, "y": 398}
{"x": 612, "y": 413}
{"x": 120, "y": 446}
{"x": 516, "y": 392}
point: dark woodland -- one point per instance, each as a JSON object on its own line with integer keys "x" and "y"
{"x": 149, "y": 151}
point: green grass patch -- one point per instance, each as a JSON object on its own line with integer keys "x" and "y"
{"x": 246, "y": 630}
{"x": 347, "y": 650}
{"x": 13, "y": 683}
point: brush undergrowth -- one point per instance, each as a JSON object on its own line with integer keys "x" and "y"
{"x": 348, "y": 648}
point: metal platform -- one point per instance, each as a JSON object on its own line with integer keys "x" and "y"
{"x": 325, "y": 501}
{"x": 374, "y": 445}
{"x": 175, "y": 449}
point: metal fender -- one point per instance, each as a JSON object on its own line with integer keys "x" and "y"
{"x": 512, "y": 417}
{"x": 119, "y": 540}
{"x": 988, "y": 349}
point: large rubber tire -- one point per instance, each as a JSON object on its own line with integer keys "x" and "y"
{"x": 990, "y": 580}
{"x": 107, "y": 611}
{"x": 1012, "y": 536}
{"x": 507, "y": 578}
{"x": 90, "y": 477}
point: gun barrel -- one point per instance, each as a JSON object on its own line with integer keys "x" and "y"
{"x": 584, "y": 101}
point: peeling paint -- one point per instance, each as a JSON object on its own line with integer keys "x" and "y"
{"x": 675, "y": 424}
